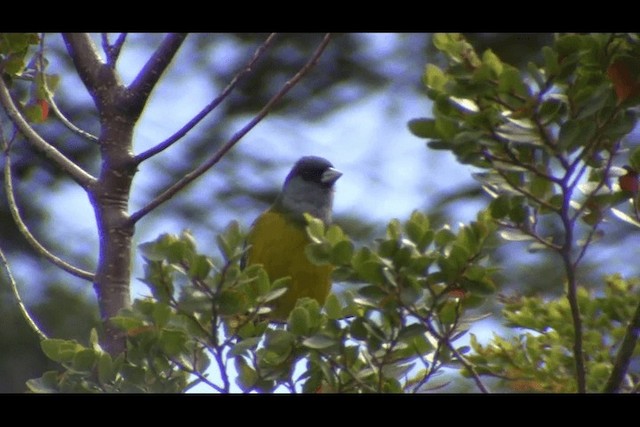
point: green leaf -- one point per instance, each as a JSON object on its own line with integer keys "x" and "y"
{"x": 500, "y": 206}
{"x": 550, "y": 61}
{"x": 244, "y": 346}
{"x": 367, "y": 266}
{"x": 634, "y": 158}
{"x": 467, "y": 105}
{"x": 48, "y": 383}
{"x": 199, "y": 267}
{"x": 511, "y": 82}
{"x": 280, "y": 287}
{"x": 318, "y": 253}
{"x": 106, "y": 371}
{"x": 315, "y": 228}
{"x": 247, "y": 376}
{"x": 621, "y": 125}
{"x": 624, "y": 217}
{"x": 84, "y": 360}
{"x": 173, "y": 341}
{"x": 434, "y": 78}
{"x": 342, "y": 252}
{"x": 514, "y": 235}
{"x": 298, "y": 321}
{"x": 590, "y": 100}
{"x": 161, "y": 314}
{"x": 332, "y": 307}
{"x": 492, "y": 62}
{"x": 231, "y": 302}
{"x": 127, "y": 323}
{"x": 443, "y": 237}
{"x": 482, "y": 287}
{"x": 46, "y": 85}
{"x": 34, "y": 113}
{"x": 230, "y": 241}
{"x": 456, "y": 47}
{"x": 94, "y": 341}
{"x": 424, "y": 128}
{"x": 60, "y": 350}
{"x": 412, "y": 331}
{"x": 319, "y": 342}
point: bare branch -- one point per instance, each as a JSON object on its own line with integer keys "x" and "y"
{"x": 572, "y": 287}
{"x": 112, "y": 51}
{"x": 76, "y": 172}
{"x": 65, "y": 121}
{"x": 24, "y": 230}
{"x": 191, "y": 176}
{"x": 52, "y": 103}
{"x": 467, "y": 364}
{"x": 93, "y": 72}
{"x": 625, "y": 354}
{"x": 206, "y": 110}
{"x": 200, "y": 376}
{"x": 16, "y": 293}
{"x": 145, "y": 81}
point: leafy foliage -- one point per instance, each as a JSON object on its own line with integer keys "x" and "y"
{"x": 393, "y": 328}
{"x": 548, "y": 140}
{"x": 539, "y": 357}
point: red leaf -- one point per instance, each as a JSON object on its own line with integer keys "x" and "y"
{"x": 45, "y": 108}
{"x": 624, "y": 83}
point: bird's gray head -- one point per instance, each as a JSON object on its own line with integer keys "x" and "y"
{"x": 309, "y": 188}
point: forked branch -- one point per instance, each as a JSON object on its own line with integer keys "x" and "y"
{"x": 78, "y": 174}
{"x": 204, "y": 167}
{"x": 210, "y": 107}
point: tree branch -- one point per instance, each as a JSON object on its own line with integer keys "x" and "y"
{"x": 112, "y": 51}
{"x": 206, "y": 110}
{"x": 93, "y": 72}
{"x": 624, "y": 354}
{"x": 572, "y": 286}
{"x": 78, "y": 174}
{"x": 191, "y": 176}
{"x": 52, "y": 102}
{"x": 146, "y": 80}
{"x": 24, "y": 230}
{"x": 23, "y": 309}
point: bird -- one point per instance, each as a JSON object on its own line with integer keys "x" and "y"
{"x": 277, "y": 238}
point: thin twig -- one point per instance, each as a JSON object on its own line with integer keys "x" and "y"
{"x": 23, "y": 309}
{"x": 191, "y": 176}
{"x": 468, "y": 365}
{"x": 24, "y": 230}
{"x": 530, "y": 233}
{"x": 112, "y": 51}
{"x": 147, "y": 78}
{"x": 525, "y": 192}
{"x": 65, "y": 121}
{"x": 206, "y": 110}
{"x": 52, "y": 104}
{"x": 572, "y": 285}
{"x": 200, "y": 376}
{"x": 623, "y": 359}
{"x": 78, "y": 174}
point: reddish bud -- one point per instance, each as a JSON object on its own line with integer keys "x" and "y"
{"x": 629, "y": 181}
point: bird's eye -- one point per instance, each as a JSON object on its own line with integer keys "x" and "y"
{"x": 311, "y": 174}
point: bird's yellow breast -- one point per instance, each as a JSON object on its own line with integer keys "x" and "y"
{"x": 278, "y": 244}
